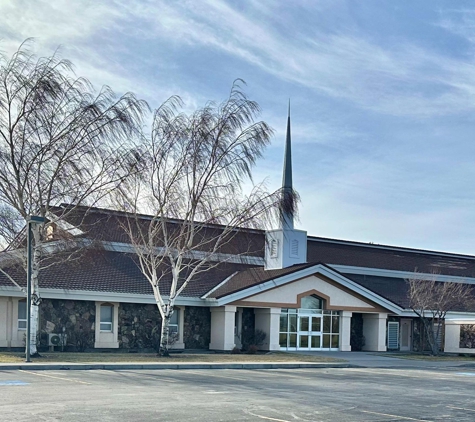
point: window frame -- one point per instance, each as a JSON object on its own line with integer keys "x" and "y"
{"x": 22, "y": 320}
{"x": 106, "y": 323}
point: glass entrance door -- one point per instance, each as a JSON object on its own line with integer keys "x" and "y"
{"x": 309, "y": 332}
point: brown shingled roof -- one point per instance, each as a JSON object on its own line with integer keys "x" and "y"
{"x": 252, "y": 277}
{"x": 337, "y": 252}
{"x": 105, "y": 271}
{"x": 108, "y": 225}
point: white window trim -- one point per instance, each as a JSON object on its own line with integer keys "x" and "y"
{"x": 109, "y": 323}
{"x": 106, "y": 339}
{"x": 25, "y": 320}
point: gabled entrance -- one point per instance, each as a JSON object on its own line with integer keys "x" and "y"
{"x": 309, "y": 327}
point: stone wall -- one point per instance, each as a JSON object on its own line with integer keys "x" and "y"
{"x": 197, "y": 327}
{"x": 139, "y": 326}
{"x": 76, "y": 316}
{"x": 248, "y": 327}
{"x": 467, "y": 336}
{"x": 357, "y": 339}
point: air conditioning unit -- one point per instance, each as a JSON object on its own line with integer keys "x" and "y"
{"x": 57, "y": 339}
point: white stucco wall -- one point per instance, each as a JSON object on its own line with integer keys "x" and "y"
{"x": 374, "y": 331}
{"x": 345, "y": 331}
{"x": 452, "y": 336}
{"x": 288, "y": 294}
{"x": 268, "y": 320}
{"x": 5, "y": 321}
{"x": 222, "y": 328}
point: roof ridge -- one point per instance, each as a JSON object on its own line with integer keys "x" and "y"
{"x": 388, "y": 247}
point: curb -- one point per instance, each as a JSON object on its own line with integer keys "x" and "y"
{"x": 154, "y": 366}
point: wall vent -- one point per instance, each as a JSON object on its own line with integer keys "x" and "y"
{"x": 274, "y": 248}
{"x": 294, "y": 248}
{"x": 393, "y": 335}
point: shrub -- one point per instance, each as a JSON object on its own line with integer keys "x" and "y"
{"x": 252, "y": 349}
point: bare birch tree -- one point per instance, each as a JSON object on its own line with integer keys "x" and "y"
{"x": 60, "y": 141}
{"x": 431, "y": 300}
{"x": 194, "y": 168}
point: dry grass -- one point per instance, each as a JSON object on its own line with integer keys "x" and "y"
{"x": 420, "y": 356}
{"x": 9, "y": 357}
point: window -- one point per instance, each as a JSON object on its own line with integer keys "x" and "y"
{"x": 173, "y": 324}
{"x": 106, "y": 317}
{"x": 22, "y": 315}
{"x": 311, "y": 302}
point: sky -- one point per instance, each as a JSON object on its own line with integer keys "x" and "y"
{"x": 382, "y": 95}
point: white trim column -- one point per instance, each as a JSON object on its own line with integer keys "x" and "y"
{"x": 268, "y": 320}
{"x": 345, "y": 331}
{"x": 374, "y": 331}
{"x": 222, "y": 328}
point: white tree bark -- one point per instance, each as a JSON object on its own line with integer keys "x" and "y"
{"x": 34, "y": 329}
{"x": 35, "y": 293}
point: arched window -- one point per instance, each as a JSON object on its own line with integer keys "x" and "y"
{"x": 311, "y": 302}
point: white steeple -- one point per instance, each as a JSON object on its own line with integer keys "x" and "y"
{"x": 286, "y": 246}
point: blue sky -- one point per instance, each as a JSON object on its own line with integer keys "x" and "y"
{"x": 382, "y": 92}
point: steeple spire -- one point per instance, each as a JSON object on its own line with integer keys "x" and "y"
{"x": 286, "y": 246}
{"x": 287, "y": 220}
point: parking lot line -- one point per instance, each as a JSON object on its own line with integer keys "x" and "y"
{"x": 407, "y": 418}
{"x": 52, "y": 376}
{"x": 157, "y": 378}
{"x": 266, "y": 417}
{"x": 461, "y": 408}
{"x": 212, "y": 374}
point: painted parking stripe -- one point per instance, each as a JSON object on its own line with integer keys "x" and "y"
{"x": 461, "y": 408}
{"x": 266, "y": 417}
{"x": 406, "y": 418}
{"x": 155, "y": 377}
{"x": 212, "y": 374}
{"x": 52, "y": 376}
{"x": 15, "y": 382}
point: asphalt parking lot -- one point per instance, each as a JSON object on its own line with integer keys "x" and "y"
{"x": 326, "y": 395}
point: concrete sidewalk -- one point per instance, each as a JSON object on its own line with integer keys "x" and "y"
{"x": 114, "y": 366}
{"x": 389, "y": 360}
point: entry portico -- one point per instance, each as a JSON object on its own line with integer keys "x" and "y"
{"x": 303, "y": 307}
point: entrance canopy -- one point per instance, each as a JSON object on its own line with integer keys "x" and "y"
{"x": 287, "y": 288}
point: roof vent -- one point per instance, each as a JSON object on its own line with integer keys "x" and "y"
{"x": 294, "y": 248}
{"x": 274, "y": 248}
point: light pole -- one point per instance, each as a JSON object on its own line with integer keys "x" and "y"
{"x": 30, "y": 221}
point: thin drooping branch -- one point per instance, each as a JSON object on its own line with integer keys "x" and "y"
{"x": 192, "y": 172}
{"x": 60, "y": 142}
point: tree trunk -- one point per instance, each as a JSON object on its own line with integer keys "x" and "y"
{"x": 431, "y": 336}
{"x": 164, "y": 336}
{"x": 35, "y": 295}
{"x": 34, "y": 329}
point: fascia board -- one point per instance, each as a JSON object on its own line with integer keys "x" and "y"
{"x": 347, "y": 269}
{"x": 216, "y": 257}
{"x": 320, "y": 269}
{"x": 460, "y": 316}
{"x": 101, "y": 296}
